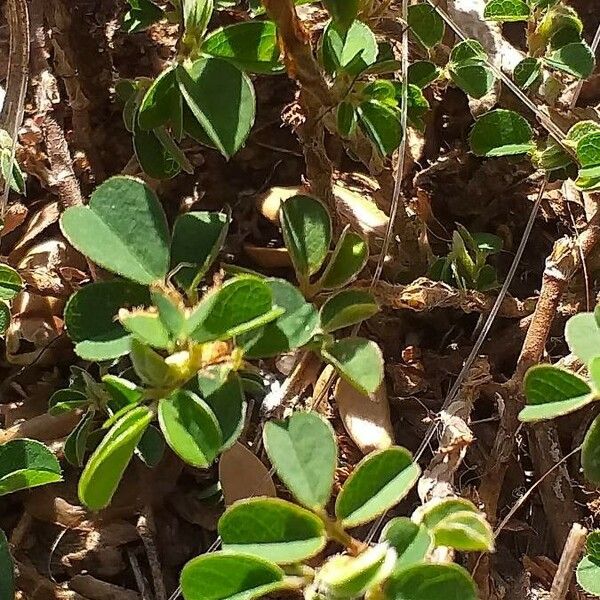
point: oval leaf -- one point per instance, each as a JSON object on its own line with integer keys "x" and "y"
{"x": 590, "y": 453}
{"x": 303, "y": 451}
{"x": 576, "y": 59}
{"x": 106, "y": 466}
{"x": 583, "y": 336}
{"x": 350, "y": 50}
{"x": 382, "y": 124}
{"x": 501, "y": 133}
{"x": 425, "y": 24}
{"x": 346, "y": 308}
{"x": 123, "y": 229}
{"x": 190, "y": 428}
{"x": 466, "y": 531}
{"x": 553, "y": 392}
{"x": 506, "y": 10}
{"x": 588, "y": 575}
{"x": 223, "y": 576}
{"x": 10, "y": 283}
{"x": 412, "y": 542}
{"x": 349, "y": 258}
{"x": 273, "y": 529}
{"x": 26, "y": 464}
{"x": 377, "y": 484}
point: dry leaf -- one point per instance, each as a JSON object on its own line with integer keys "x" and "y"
{"x": 243, "y": 475}
{"x": 268, "y": 258}
{"x": 367, "y": 423}
{"x": 269, "y": 202}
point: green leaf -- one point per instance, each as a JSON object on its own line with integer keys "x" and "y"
{"x": 431, "y": 582}
{"x": 564, "y": 36}
{"x": 343, "y": 12}
{"x": 76, "y": 442}
{"x": 588, "y": 179}
{"x": 552, "y": 392}
{"x": 349, "y": 258}
{"x": 90, "y": 317}
{"x": 105, "y": 468}
{"x": 141, "y": 15}
{"x": 222, "y": 100}
{"x": 468, "y": 50}
{"x": 122, "y": 392}
{"x": 162, "y": 102}
{"x": 26, "y": 464}
{"x": 222, "y": 391}
{"x": 4, "y": 316}
{"x": 425, "y": 23}
{"x": 293, "y": 329}
{"x": 588, "y": 150}
{"x": 251, "y": 46}
{"x": 7, "y": 570}
{"x": 349, "y": 50}
{"x": 273, "y": 529}
{"x": 196, "y": 16}
{"x": 346, "y": 119}
{"x": 382, "y": 124}
{"x": 241, "y": 304}
{"x": 412, "y": 542}
{"x": 146, "y": 326}
{"x": 230, "y": 576}
{"x": 466, "y": 531}
{"x": 157, "y": 161}
{"x": 592, "y": 545}
{"x": 528, "y": 73}
{"x": 346, "y": 308}
{"x": 435, "y": 511}
{"x": 123, "y": 229}
{"x": 306, "y": 227}
{"x": 379, "y": 482}
{"x": 501, "y": 133}
{"x": 350, "y": 577}
{"x": 171, "y": 311}
{"x": 190, "y": 428}
{"x": 303, "y": 451}
{"x": 576, "y": 59}
{"x": 583, "y": 336}
{"x": 422, "y": 73}
{"x": 10, "y": 283}
{"x": 506, "y": 11}
{"x": 197, "y": 240}
{"x": 358, "y": 361}
{"x": 590, "y": 453}
{"x": 588, "y": 575}
{"x": 151, "y": 448}
{"x": 66, "y": 400}
{"x": 476, "y": 80}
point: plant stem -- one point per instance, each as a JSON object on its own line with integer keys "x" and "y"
{"x": 336, "y": 532}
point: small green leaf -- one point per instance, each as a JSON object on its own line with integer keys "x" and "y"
{"x": 466, "y": 531}
{"x": 7, "y": 570}
{"x": 350, "y": 577}
{"x": 230, "y": 576}
{"x": 528, "y": 73}
{"x": 151, "y": 448}
{"x": 382, "y": 124}
{"x": 553, "y": 392}
{"x": 343, "y": 12}
{"x": 583, "y": 336}
{"x": 171, "y": 311}
{"x": 105, "y": 468}
{"x": 564, "y": 36}
{"x": 157, "y": 161}
{"x": 412, "y": 542}
{"x": 197, "y": 240}
{"x": 122, "y": 392}
{"x": 123, "y": 229}
{"x": 190, "y": 428}
{"x": 306, "y": 227}
{"x": 303, "y": 451}
{"x": 196, "y": 16}
{"x": 588, "y": 149}
{"x": 431, "y": 582}
{"x": 435, "y": 511}
{"x": 349, "y": 258}
{"x": 379, "y": 482}
{"x": 576, "y": 59}
{"x": 588, "y": 179}
{"x": 222, "y": 390}
{"x": 4, "y": 316}
{"x": 273, "y": 529}
{"x": 162, "y": 101}
{"x": 146, "y": 326}
{"x": 251, "y": 46}
{"x": 347, "y": 308}
{"x": 501, "y": 133}
{"x": 590, "y": 453}
{"x": 476, "y": 80}
{"x": 26, "y": 464}
{"x": 346, "y": 119}
{"x": 90, "y": 317}
{"x": 241, "y": 304}
{"x": 422, "y": 73}
{"x": 588, "y": 575}
{"x": 293, "y": 329}
{"x": 506, "y": 11}
{"x": 425, "y": 23}
{"x": 358, "y": 361}
{"x": 592, "y": 544}
{"x": 468, "y": 50}
{"x": 10, "y": 283}
{"x": 141, "y": 15}
{"x": 349, "y": 50}
{"x": 222, "y": 100}
{"x": 76, "y": 442}
{"x": 66, "y": 400}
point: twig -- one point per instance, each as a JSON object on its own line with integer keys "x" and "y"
{"x": 570, "y": 556}
{"x": 146, "y": 529}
